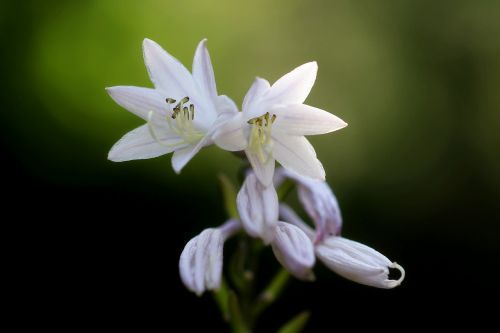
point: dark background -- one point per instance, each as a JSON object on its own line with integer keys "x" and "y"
{"x": 96, "y": 244}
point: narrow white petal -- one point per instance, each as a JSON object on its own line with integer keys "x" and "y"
{"x": 263, "y": 170}
{"x": 201, "y": 259}
{"x": 186, "y": 265}
{"x": 300, "y": 119}
{"x": 229, "y": 134}
{"x": 166, "y": 72}
{"x": 182, "y": 156}
{"x": 203, "y": 72}
{"x": 297, "y": 154}
{"x": 294, "y": 87}
{"x": 294, "y": 250}
{"x": 258, "y": 208}
{"x": 250, "y": 102}
{"x": 358, "y": 262}
{"x": 224, "y": 104}
{"x": 138, "y": 144}
{"x": 138, "y": 100}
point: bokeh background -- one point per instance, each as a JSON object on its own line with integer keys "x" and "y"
{"x": 417, "y": 171}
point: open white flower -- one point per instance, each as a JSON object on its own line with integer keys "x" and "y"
{"x": 180, "y": 111}
{"x": 201, "y": 260}
{"x": 273, "y": 123}
{"x": 349, "y": 259}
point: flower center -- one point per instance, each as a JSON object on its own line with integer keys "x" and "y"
{"x": 180, "y": 122}
{"x": 260, "y": 141}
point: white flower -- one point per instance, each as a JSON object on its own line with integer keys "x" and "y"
{"x": 258, "y": 208}
{"x": 350, "y": 259}
{"x": 294, "y": 250}
{"x": 180, "y": 111}
{"x": 201, "y": 260}
{"x": 318, "y": 201}
{"x": 273, "y": 123}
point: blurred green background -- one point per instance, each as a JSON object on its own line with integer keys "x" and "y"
{"x": 417, "y": 171}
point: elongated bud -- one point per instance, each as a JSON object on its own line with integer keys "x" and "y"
{"x": 294, "y": 250}
{"x": 200, "y": 264}
{"x": 358, "y": 262}
{"x": 320, "y": 204}
{"x": 258, "y": 208}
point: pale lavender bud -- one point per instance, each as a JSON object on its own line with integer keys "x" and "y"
{"x": 201, "y": 260}
{"x": 258, "y": 208}
{"x": 358, "y": 262}
{"x": 294, "y": 250}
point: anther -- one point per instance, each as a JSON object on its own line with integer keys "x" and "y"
{"x": 170, "y": 100}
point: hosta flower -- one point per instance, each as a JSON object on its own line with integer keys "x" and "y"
{"x": 180, "y": 111}
{"x": 201, "y": 260}
{"x": 273, "y": 123}
{"x": 349, "y": 259}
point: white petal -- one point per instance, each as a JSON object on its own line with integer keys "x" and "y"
{"x": 224, "y": 104}
{"x": 297, "y": 154}
{"x": 250, "y": 102}
{"x": 258, "y": 208}
{"x": 229, "y": 135}
{"x": 186, "y": 265}
{"x": 358, "y": 262}
{"x": 182, "y": 156}
{"x": 203, "y": 72}
{"x": 166, "y": 72}
{"x": 294, "y": 87}
{"x": 300, "y": 119}
{"x": 263, "y": 170}
{"x": 138, "y": 144}
{"x": 139, "y": 101}
{"x": 294, "y": 250}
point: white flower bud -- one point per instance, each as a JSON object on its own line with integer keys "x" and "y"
{"x": 201, "y": 260}
{"x": 358, "y": 262}
{"x": 294, "y": 250}
{"x": 258, "y": 208}
{"x": 320, "y": 204}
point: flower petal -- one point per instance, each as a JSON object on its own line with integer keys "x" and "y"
{"x": 258, "y": 208}
{"x": 182, "y": 156}
{"x": 294, "y": 250}
{"x": 138, "y": 144}
{"x": 358, "y": 262}
{"x": 294, "y": 87}
{"x": 300, "y": 119}
{"x": 250, "y": 102}
{"x": 224, "y": 104}
{"x": 138, "y": 100}
{"x": 166, "y": 72}
{"x": 229, "y": 135}
{"x": 297, "y": 154}
{"x": 263, "y": 170}
{"x": 203, "y": 72}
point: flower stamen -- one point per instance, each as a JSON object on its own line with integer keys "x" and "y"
{"x": 183, "y": 116}
{"x": 260, "y": 135}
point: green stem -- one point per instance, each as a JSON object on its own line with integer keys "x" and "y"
{"x": 272, "y": 292}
